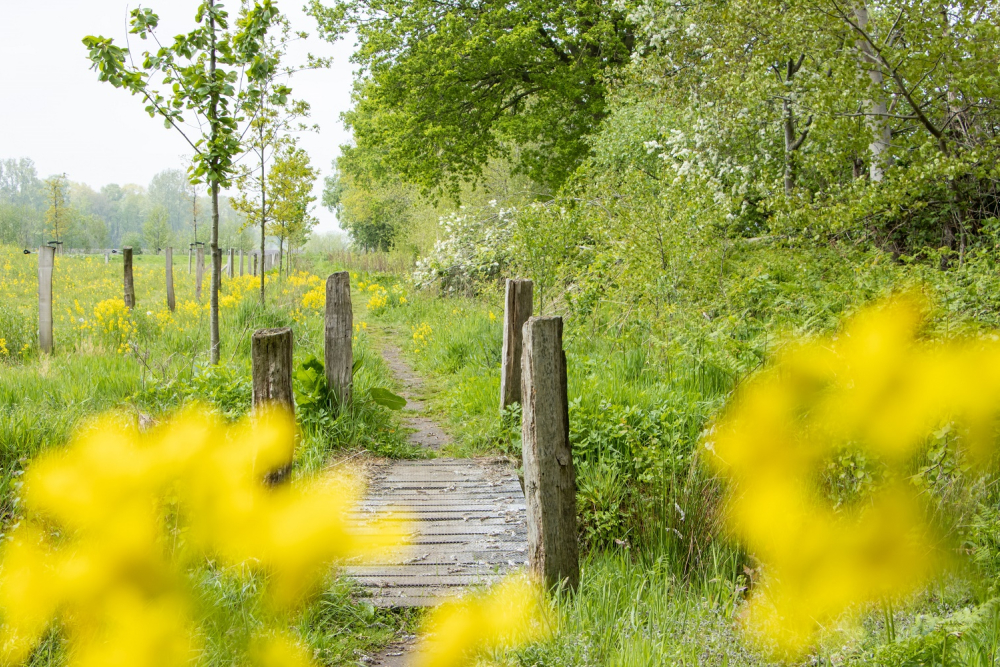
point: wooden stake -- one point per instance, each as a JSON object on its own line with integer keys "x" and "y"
{"x": 517, "y": 310}
{"x": 170, "y": 279}
{"x": 46, "y": 264}
{"x": 241, "y": 262}
{"x": 271, "y": 361}
{"x": 549, "y": 475}
{"x": 339, "y": 334}
{"x": 129, "y": 285}
{"x": 190, "y": 253}
{"x": 232, "y": 263}
{"x": 199, "y": 271}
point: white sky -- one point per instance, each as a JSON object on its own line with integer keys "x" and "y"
{"x": 55, "y": 111}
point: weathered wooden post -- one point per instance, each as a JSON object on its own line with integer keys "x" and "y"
{"x": 549, "y": 475}
{"x": 46, "y": 263}
{"x": 271, "y": 361}
{"x": 170, "y": 279}
{"x": 271, "y": 364}
{"x": 339, "y": 333}
{"x": 190, "y": 253}
{"x": 199, "y": 271}
{"x": 232, "y": 264}
{"x": 241, "y": 262}
{"x": 517, "y": 310}
{"x": 107, "y": 257}
{"x": 129, "y": 285}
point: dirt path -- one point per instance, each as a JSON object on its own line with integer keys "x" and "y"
{"x": 470, "y": 526}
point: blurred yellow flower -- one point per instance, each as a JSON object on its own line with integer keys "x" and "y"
{"x": 106, "y": 569}
{"x": 513, "y": 613}
{"x": 877, "y": 389}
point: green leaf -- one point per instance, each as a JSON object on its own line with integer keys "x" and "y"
{"x": 386, "y": 398}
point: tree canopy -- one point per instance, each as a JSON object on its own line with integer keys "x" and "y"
{"x": 445, "y": 86}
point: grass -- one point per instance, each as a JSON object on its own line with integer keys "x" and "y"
{"x": 147, "y": 364}
{"x": 662, "y": 584}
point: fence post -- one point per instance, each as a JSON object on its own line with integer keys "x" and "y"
{"x": 199, "y": 271}
{"x": 170, "y": 279}
{"x": 232, "y": 265}
{"x": 271, "y": 361}
{"x": 271, "y": 364}
{"x": 46, "y": 263}
{"x": 549, "y": 475}
{"x": 107, "y": 257}
{"x": 241, "y": 262}
{"x": 129, "y": 285}
{"x": 339, "y": 334}
{"x": 517, "y": 310}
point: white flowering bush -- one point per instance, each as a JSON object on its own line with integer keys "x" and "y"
{"x": 476, "y": 247}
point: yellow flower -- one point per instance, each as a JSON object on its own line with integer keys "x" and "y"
{"x": 873, "y": 389}
{"x": 120, "y": 595}
{"x": 514, "y": 613}
{"x": 493, "y": 317}
{"x": 3, "y": 347}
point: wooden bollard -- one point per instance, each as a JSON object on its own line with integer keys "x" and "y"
{"x": 271, "y": 364}
{"x": 129, "y": 284}
{"x": 271, "y": 361}
{"x": 170, "y": 279}
{"x": 549, "y": 475}
{"x": 232, "y": 264}
{"x": 517, "y": 310}
{"x": 241, "y": 262}
{"x": 199, "y": 271}
{"x": 46, "y": 263}
{"x": 339, "y": 335}
{"x": 107, "y": 257}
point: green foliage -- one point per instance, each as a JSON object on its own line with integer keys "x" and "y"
{"x": 386, "y": 398}
{"x": 529, "y": 74}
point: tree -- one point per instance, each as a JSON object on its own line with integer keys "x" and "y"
{"x": 274, "y": 115}
{"x": 491, "y": 76}
{"x": 200, "y": 73}
{"x": 156, "y": 232}
{"x": 373, "y": 213}
{"x": 57, "y": 217}
{"x": 168, "y": 190}
{"x": 290, "y": 189}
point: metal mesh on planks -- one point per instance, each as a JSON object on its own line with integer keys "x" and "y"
{"x": 469, "y": 529}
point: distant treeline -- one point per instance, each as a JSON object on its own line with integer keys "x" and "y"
{"x": 169, "y": 211}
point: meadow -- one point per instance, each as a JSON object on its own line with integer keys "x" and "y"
{"x": 663, "y": 579}
{"x": 144, "y": 365}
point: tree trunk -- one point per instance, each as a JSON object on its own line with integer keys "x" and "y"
{"x": 213, "y": 115}
{"x": 878, "y": 119}
{"x": 263, "y": 212}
